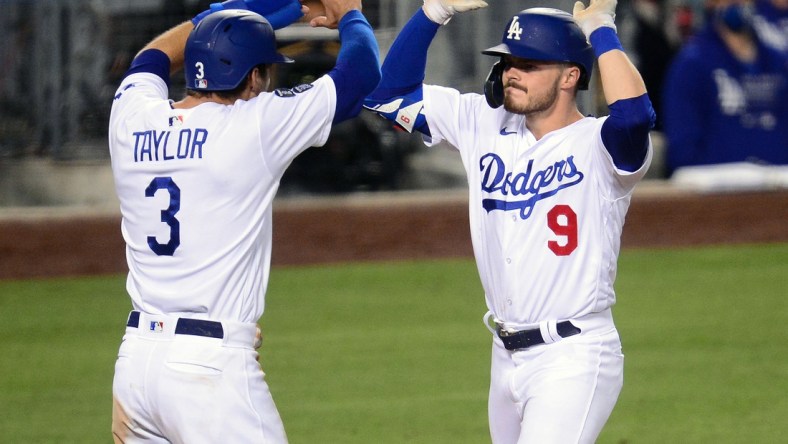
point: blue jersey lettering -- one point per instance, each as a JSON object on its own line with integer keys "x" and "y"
{"x": 535, "y": 185}
{"x": 154, "y": 146}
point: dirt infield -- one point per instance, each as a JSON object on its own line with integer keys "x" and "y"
{"x": 388, "y": 227}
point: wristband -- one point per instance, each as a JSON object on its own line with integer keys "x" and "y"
{"x": 437, "y": 12}
{"x": 604, "y": 39}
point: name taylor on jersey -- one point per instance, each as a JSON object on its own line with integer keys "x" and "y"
{"x": 156, "y": 146}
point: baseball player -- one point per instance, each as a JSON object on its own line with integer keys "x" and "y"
{"x": 549, "y": 189}
{"x": 196, "y": 179}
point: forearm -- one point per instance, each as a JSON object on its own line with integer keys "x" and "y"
{"x": 405, "y": 65}
{"x": 625, "y": 132}
{"x": 172, "y": 44}
{"x": 620, "y": 79}
{"x": 357, "y": 70}
{"x": 398, "y": 97}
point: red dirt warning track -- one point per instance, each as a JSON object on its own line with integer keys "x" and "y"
{"x": 387, "y": 227}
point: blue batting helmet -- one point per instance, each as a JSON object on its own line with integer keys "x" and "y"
{"x": 224, "y": 47}
{"x": 546, "y": 34}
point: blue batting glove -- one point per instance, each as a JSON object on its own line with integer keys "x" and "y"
{"x": 284, "y": 16}
{"x": 279, "y": 13}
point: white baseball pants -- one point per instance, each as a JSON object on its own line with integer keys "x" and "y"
{"x": 178, "y": 388}
{"x": 560, "y": 393}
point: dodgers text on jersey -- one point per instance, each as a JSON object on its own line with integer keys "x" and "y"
{"x": 537, "y": 185}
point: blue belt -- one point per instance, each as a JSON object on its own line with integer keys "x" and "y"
{"x": 528, "y": 338}
{"x": 186, "y": 326}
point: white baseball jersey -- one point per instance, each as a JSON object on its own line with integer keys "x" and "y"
{"x": 546, "y": 216}
{"x": 196, "y": 188}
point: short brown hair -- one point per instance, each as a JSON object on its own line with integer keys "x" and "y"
{"x": 230, "y": 94}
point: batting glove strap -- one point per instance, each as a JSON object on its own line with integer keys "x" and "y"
{"x": 441, "y": 11}
{"x": 406, "y": 111}
{"x": 600, "y": 13}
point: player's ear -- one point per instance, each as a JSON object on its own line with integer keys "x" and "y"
{"x": 571, "y": 76}
{"x": 263, "y": 73}
{"x": 258, "y": 79}
{"x": 267, "y": 74}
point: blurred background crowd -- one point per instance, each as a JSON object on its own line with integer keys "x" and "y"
{"x": 716, "y": 71}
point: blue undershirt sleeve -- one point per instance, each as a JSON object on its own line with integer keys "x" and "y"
{"x": 153, "y": 61}
{"x": 357, "y": 70}
{"x": 625, "y": 132}
{"x": 399, "y": 95}
{"x": 406, "y": 63}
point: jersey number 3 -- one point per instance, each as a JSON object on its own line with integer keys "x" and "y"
{"x": 563, "y": 221}
{"x": 167, "y": 215}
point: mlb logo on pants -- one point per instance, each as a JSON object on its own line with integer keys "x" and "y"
{"x": 157, "y": 326}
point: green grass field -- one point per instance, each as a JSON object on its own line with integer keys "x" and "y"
{"x": 397, "y": 353}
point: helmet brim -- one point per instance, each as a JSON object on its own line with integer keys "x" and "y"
{"x": 283, "y": 59}
{"x": 498, "y": 50}
{"x": 527, "y": 53}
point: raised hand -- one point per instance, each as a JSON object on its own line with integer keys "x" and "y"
{"x": 334, "y": 10}
{"x": 598, "y": 14}
{"x": 441, "y": 11}
{"x": 279, "y": 13}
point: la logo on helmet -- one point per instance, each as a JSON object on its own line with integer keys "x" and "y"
{"x": 514, "y": 29}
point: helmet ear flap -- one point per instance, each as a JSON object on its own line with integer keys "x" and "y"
{"x": 493, "y": 86}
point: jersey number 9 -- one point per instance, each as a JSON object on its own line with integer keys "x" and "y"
{"x": 562, "y": 220}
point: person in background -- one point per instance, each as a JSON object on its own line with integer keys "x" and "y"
{"x": 771, "y": 23}
{"x": 726, "y": 94}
